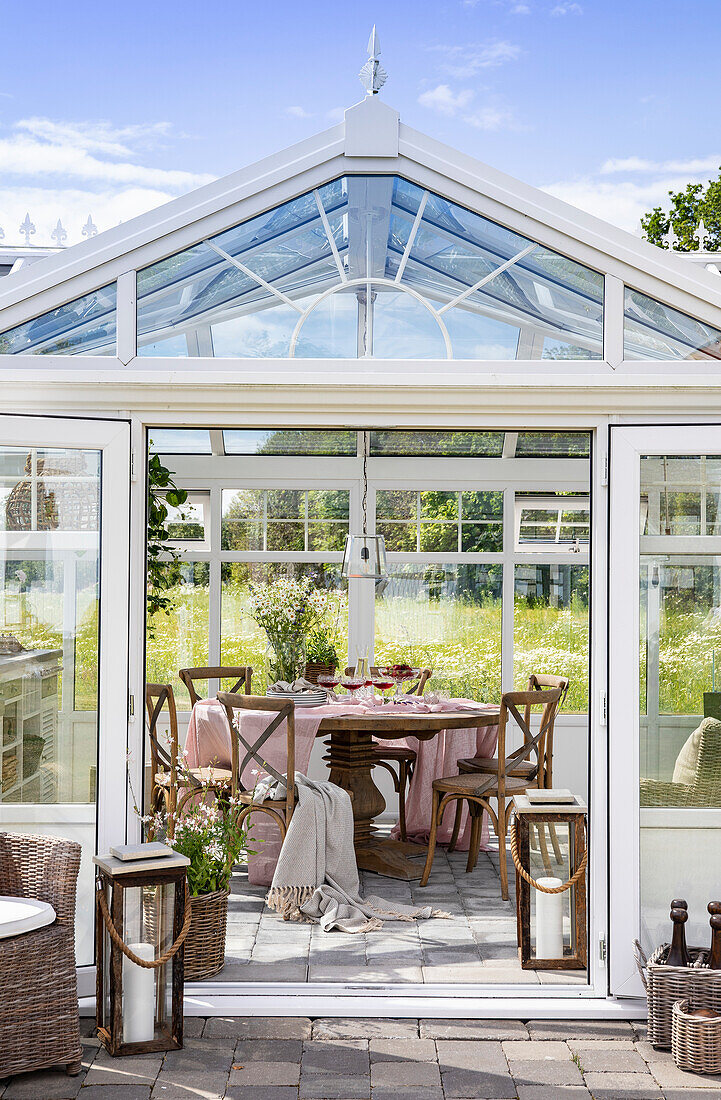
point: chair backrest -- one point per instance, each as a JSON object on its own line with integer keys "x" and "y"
{"x": 537, "y": 681}
{"x": 708, "y": 767}
{"x": 42, "y": 867}
{"x": 158, "y": 697}
{"x": 415, "y": 688}
{"x": 242, "y": 674}
{"x": 245, "y": 750}
{"x": 511, "y": 703}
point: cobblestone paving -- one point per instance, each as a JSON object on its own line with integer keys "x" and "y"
{"x": 284, "y": 1058}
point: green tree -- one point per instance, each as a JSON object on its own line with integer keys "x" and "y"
{"x": 687, "y": 208}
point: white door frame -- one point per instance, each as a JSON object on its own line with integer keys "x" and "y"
{"x": 112, "y": 439}
{"x": 627, "y": 446}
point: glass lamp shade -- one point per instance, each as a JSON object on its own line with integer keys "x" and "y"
{"x": 364, "y": 557}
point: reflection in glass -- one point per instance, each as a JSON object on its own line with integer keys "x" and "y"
{"x": 653, "y": 330}
{"x": 290, "y": 441}
{"x": 83, "y": 327}
{"x": 680, "y": 683}
{"x": 425, "y": 444}
{"x": 436, "y": 520}
{"x": 49, "y": 603}
{"x": 445, "y": 617}
{"x": 284, "y": 519}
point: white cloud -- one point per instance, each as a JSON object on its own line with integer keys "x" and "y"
{"x": 514, "y": 7}
{"x": 567, "y": 9}
{"x": 57, "y": 169}
{"x": 693, "y": 167}
{"x": 336, "y": 114}
{"x": 620, "y": 201}
{"x": 444, "y": 101}
{"x": 466, "y": 61}
{"x": 297, "y": 112}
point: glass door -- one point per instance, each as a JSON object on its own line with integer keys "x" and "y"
{"x": 665, "y": 686}
{"x": 64, "y": 488}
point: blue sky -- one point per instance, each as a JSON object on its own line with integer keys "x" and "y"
{"x": 113, "y": 109}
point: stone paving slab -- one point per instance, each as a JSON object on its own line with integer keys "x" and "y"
{"x": 288, "y": 1058}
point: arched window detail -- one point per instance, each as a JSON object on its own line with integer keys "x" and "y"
{"x": 370, "y": 267}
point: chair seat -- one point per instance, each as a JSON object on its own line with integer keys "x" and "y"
{"x": 214, "y": 777}
{"x": 394, "y": 752}
{"x": 477, "y": 784}
{"x": 489, "y": 764}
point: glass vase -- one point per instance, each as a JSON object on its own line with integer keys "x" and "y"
{"x": 286, "y": 658}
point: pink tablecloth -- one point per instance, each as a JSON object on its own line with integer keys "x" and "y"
{"x": 208, "y": 742}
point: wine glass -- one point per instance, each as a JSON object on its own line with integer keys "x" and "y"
{"x": 382, "y": 681}
{"x": 352, "y": 683}
{"x": 329, "y": 681}
{"x": 400, "y": 673}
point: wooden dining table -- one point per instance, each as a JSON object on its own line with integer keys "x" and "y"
{"x": 350, "y": 758}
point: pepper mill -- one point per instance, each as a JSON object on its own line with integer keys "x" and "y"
{"x": 714, "y": 961}
{"x": 678, "y": 955}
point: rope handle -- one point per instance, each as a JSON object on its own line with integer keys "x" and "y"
{"x": 120, "y": 942}
{"x": 576, "y": 877}
{"x": 641, "y": 962}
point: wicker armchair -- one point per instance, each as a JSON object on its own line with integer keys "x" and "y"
{"x": 39, "y": 1025}
{"x": 705, "y": 788}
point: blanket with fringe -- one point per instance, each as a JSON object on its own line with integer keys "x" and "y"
{"x": 316, "y": 878}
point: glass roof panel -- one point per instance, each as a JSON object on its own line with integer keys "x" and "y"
{"x": 656, "y": 331}
{"x": 290, "y": 441}
{"x": 553, "y": 445}
{"x": 179, "y": 441}
{"x": 424, "y": 444}
{"x": 83, "y": 327}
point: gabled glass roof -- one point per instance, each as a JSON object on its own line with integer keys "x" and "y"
{"x": 370, "y": 266}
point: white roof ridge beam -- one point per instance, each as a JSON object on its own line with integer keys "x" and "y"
{"x": 621, "y": 247}
{"x": 252, "y": 275}
{"x": 489, "y": 277}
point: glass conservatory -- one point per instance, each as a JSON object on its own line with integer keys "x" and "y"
{"x": 373, "y": 333}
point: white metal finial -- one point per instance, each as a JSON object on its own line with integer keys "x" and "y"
{"x": 702, "y": 235}
{"x": 90, "y": 229}
{"x": 373, "y": 76}
{"x": 59, "y": 234}
{"x": 671, "y": 238}
{"x": 27, "y": 229}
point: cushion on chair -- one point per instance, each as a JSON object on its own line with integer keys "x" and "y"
{"x": 686, "y": 767}
{"x": 18, "y": 915}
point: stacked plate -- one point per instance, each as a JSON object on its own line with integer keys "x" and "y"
{"x": 301, "y": 698}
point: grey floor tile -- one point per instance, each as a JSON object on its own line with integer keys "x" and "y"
{"x": 372, "y": 1028}
{"x": 266, "y": 1092}
{"x": 418, "y": 1075}
{"x": 623, "y": 1086}
{"x": 402, "y": 1050}
{"x": 116, "y": 1092}
{"x": 254, "y": 1074}
{"x": 553, "y": 1092}
{"x": 473, "y": 1029}
{"x": 550, "y": 1070}
{"x": 580, "y": 1029}
{"x": 348, "y": 1057}
{"x": 328, "y": 1086}
{"x": 193, "y": 1026}
{"x": 211, "y": 1054}
{"x": 478, "y": 1083}
{"x": 135, "y": 1069}
{"x": 189, "y": 1085}
{"x": 268, "y": 1050}
{"x": 259, "y": 1027}
{"x": 43, "y": 1085}
{"x": 607, "y": 1056}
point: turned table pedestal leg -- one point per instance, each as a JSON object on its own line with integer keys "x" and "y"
{"x": 350, "y": 759}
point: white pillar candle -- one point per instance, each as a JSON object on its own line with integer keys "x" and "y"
{"x": 549, "y": 921}
{"x": 139, "y": 996}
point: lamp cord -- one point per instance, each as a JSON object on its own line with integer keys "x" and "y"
{"x": 365, "y": 483}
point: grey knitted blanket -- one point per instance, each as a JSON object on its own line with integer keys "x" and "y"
{"x": 316, "y": 878}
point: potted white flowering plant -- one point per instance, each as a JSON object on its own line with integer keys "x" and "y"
{"x": 287, "y": 609}
{"x": 208, "y": 833}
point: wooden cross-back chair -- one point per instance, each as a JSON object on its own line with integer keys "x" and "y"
{"x": 166, "y": 780}
{"x": 396, "y": 756}
{"x": 242, "y": 674}
{"x": 245, "y": 752}
{"x": 477, "y": 788}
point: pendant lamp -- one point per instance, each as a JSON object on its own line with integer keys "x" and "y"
{"x": 364, "y": 557}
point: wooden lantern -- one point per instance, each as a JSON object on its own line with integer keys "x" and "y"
{"x": 141, "y": 921}
{"x": 551, "y": 921}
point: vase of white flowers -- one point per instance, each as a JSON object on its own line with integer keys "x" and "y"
{"x": 287, "y": 609}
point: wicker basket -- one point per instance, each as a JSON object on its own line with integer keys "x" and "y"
{"x": 314, "y": 669}
{"x": 667, "y": 984}
{"x": 696, "y": 1042}
{"x": 204, "y": 951}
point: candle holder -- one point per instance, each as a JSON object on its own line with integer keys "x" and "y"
{"x": 142, "y": 918}
{"x": 551, "y": 909}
